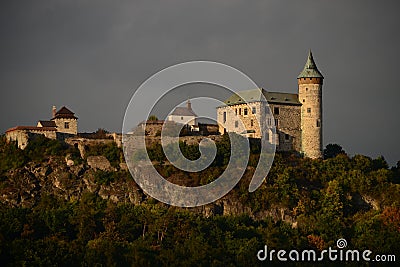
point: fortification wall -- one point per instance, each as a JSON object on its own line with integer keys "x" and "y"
{"x": 288, "y": 126}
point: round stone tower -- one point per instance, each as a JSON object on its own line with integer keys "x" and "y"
{"x": 310, "y": 96}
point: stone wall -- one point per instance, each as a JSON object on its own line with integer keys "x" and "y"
{"x": 83, "y": 143}
{"x": 288, "y": 119}
{"x": 288, "y": 126}
{"x": 19, "y": 136}
{"x": 22, "y": 136}
{"x": 234, "y": 119}
{"x": 72, "y": 125}
{"x": 208, "y": 129}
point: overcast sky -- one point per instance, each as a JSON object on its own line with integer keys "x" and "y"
{"x": 91, "y": 56}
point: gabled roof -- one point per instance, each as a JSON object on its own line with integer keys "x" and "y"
{"x": 261, "y": 94}
{"x": 282, "y": 98}
{"x": 183, "y": 111}
{"x": 31, "y": 128}
{"x": 310, "y": 69}
{"x": 64, "y": 113}
{"x": 47, "y": 123}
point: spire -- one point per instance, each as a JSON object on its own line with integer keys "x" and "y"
{"x": 310, "y": 69}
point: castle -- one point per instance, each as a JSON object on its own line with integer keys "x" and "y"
{"x": 297, "y": 117}
{"x": 63, "y": 124}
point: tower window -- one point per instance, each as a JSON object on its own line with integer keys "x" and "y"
{"x": 253, "y": 110}
{"x": 245, "y": 111}
{"x": 251, "y": 123}
{"x": 181, "y": 118}
{"x": 276, "y": 110}
{"x": 240, "y": 111}
{"x": 224, "y": 117}
{"x": 304, "y": 100}
{"x": 66, "y": 125}
{"x": 236, "y": 124}
{"x": 308, "y": 110}
{"x": 235, "y": 111}
{"x": 318, "y": 123}
{"x": 306, "y": 89}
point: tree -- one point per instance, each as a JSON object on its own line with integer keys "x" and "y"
{"x": 332, "y": 150}
{"x": 152, "y": 118}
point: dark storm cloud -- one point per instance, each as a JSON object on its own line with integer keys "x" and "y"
{"x": 91, "y": 55}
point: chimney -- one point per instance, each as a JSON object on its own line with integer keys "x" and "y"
{"x": 54, "y": 111}
{"x": 189, "y": 105}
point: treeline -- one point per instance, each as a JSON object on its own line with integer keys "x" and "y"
{"x": 356, "y": 198}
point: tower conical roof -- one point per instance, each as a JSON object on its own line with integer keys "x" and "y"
{"x": 310, "y": 69}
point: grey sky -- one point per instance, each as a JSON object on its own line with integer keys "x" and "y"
{"x": 92, "y": 55}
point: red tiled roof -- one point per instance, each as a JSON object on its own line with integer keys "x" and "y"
{"x": 31, "y": 128}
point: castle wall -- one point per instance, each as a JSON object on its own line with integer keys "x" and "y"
{"x": 19, "y": 136}
{"x": 22, "y": 136}
{"x": 289, "y": 126}
{"x": 235, "y": 120}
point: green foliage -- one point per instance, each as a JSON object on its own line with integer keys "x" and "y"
{"x": 107, "y": 177}
{"x": 329, "y": 199}
{"x": 152, "y": 118}
{"x": 11, "y": 157}
{"x": 39, "y": 147}
{"x": 332, "y": 150}
{"x": 110, "y": 150}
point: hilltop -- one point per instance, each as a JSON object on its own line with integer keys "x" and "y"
{"x": 54, "y": 202}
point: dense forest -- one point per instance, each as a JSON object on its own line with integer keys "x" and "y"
{"x": 356, "y": 198}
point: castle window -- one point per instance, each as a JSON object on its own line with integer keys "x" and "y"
{"x": 276, "y": 122}
{"x": 224, "y": 117}
{"x": 276, "y": 110}
{"x": 235, "y": 111}
{"x": 304, "y": 100}
{"x": 251, "y": 122}
{"x": 240, "y": 111}
{"x": 245, "y": 111}
{"x": 306, "y": 89}
{"x": 66, "y": 125}
{"x": 318, "y": 123}
{"x": 287, "y": 137}
{"x": 308, "y": 110}
{"x": 236, "y": 124}
{"x": 253, "y": 110}
{"x": 181, "y": 118}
